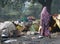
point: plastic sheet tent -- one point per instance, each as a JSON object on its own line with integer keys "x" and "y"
{"x": 9, "y": 26}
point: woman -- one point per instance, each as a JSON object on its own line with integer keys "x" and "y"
{"x": 44, "y": 23}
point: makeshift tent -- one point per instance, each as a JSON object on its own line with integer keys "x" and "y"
{"x": 8, "y": 26}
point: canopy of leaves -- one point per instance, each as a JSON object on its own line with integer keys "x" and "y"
{"x": 13, "y": 9}
{"x": 19, "y": 7}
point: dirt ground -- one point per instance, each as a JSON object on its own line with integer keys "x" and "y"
{"x": 34, "y": 39}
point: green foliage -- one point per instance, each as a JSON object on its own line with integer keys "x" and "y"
{"x": 13, "y": 9}
{"x": 55, "y": 7}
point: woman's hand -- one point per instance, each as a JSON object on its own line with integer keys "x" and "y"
{"x": 40, "y": 27}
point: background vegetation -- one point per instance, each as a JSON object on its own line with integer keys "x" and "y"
{"x": 13, "y": 9}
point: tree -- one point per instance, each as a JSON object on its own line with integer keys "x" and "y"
{"x": 55, "y": 7}
{"x": 46, "y": 3}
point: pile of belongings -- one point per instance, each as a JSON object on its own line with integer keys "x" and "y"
{"x": 6, "y": 28}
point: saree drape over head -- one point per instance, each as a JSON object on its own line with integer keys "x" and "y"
{"x": 44, "y": 22}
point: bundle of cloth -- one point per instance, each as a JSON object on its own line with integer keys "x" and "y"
{"x": 55, "y": 23}
{"x": 6, "y": 28}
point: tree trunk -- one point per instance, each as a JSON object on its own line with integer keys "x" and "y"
{"x": 46, "y": 3}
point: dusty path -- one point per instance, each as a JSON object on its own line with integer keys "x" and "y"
{"x": 34, "y": 39}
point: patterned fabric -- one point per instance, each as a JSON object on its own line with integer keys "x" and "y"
{"x": 45, "y": 17}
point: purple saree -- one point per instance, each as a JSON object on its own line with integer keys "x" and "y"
{"x": 45, "y": 17}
